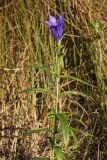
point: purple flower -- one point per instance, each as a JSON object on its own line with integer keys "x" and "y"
{"x": 56, "y": 26}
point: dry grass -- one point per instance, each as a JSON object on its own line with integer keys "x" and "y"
{"x": 26, "y": 52}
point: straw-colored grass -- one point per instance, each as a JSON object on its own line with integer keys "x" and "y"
{"x": 27, "y": 79}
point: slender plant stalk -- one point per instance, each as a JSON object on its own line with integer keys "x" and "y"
{"x": 57, "y": 85}
{"x": 57, "y": 67}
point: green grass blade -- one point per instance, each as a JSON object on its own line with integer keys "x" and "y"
{"x": 76, "y": 145}
{"x": 29, "y": 133}
{"x": 78, "y": 80}
{"x": 58, "y": 153}
{"x": 80, "y": 121}
{"x": 66, "y": 93}
{"x": 37, "y": 90}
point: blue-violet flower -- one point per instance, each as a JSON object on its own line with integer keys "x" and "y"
{"x": 56, "y": 26}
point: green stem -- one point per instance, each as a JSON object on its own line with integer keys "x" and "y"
{"x": 57, "y": 86}
{"x": 57, "y": 78}
{"x": 57, "y": 68}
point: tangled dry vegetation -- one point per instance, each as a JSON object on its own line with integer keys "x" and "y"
{"x": 25, "y": 44}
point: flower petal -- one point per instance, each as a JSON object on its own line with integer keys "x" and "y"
{"x": 60, "y": 31}
{"x": 60, "y": 19}
{"x": 48, "y": 23}
{"x": 52, "y": 21}
{"x": 54, "y": 32}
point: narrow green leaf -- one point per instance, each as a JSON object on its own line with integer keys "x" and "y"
{"x": 81, "y": 122}
{"x": 77, "y": 79}
{"x": 36, "y": 90}
{"x": 58, "y": 153}
{"x": 76, "y": 145}
{"x": 64, "y": 127}
{"x": 47, "y": 70}
{"x": 40, "y": 158}
{"x": 73, "y": 93}
{"x": 77, "y": 130}
{"x": 29, "y": 133}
